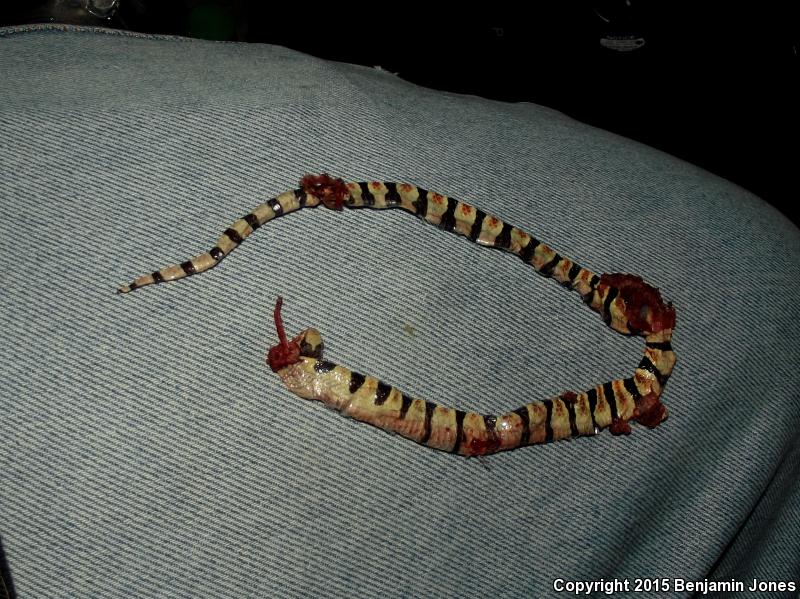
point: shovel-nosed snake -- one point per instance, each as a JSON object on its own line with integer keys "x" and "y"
{"x": 627, "y": 304}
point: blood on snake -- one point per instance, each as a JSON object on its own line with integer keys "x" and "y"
{"x": 626, "y": 303}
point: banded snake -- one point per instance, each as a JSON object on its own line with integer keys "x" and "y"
{"x": 627, "y": 304}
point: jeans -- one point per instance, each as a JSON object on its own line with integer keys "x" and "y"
{"x": 146, "y": 450}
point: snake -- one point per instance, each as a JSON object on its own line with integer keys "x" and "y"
{"x": 627, "y": 304}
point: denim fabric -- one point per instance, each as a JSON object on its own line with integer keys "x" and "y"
{"x": 145, "y": 448}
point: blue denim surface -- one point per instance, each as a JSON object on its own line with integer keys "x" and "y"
{"x": 147, "y": 451}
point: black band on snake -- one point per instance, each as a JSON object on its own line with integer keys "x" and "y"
{"x": 626, "y": 303}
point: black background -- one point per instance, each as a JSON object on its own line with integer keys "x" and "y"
{"x": 716, "y": 86}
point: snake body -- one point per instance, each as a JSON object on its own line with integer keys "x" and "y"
{"x": 626, "y": 303}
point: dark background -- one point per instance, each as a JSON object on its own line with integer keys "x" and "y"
{"x": 716, "y": 85}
